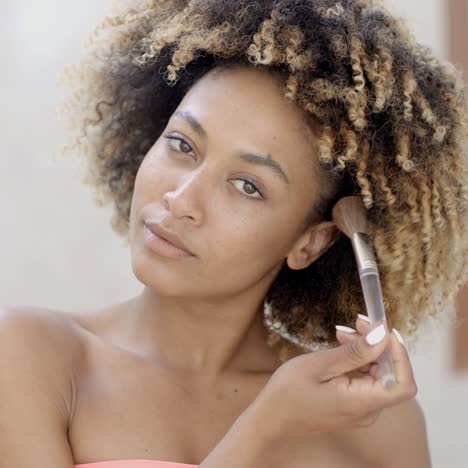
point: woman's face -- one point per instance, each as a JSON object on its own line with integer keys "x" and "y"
{"x": 233, "y": 175}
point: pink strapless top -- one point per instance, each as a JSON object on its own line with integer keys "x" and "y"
{"x": 134, "y": 464}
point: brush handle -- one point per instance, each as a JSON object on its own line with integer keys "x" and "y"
{"x": 372, "y": 290}
{"x": 369, "y": 275}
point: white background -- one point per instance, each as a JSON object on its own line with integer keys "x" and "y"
{"x": 57, "y": 249}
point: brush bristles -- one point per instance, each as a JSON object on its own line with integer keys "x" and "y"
{"x": 349, "y": 214}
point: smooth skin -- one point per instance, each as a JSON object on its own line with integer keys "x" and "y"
{"x": 167, "y": 373}
{"x": 404, "y": 421}
{"x": 41, "y": 389}
{"x": 329, "y": 392}
{"x": 346, "y": 391}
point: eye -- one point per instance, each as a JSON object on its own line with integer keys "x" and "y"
{"x": 178, "y": 144}
{"x": 249, "y": 188}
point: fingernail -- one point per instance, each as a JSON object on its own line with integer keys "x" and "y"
{"x": 345, "y": 329}
{"x": 364, "y": 317}
{"x": 400, "y": 338}
{"x": 376, "y": 335}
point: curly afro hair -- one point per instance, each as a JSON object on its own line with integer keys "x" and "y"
{"x": 392, "y": 124}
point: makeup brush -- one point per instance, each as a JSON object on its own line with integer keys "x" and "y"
{"x": 349, "y": 215}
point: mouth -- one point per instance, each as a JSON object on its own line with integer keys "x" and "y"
{"x": 166, "y": 239}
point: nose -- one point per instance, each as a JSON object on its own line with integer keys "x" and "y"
{"x": 185, "y": 201}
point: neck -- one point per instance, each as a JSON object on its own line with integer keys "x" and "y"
{"x": 202, "y": 337}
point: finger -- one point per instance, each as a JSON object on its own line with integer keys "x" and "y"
{"x": 401, "y": 363}
{"x": 363, "y": 324}
{"x": 362, "y": 395}
{"x": 344, "y": 337}
{"x": 366, "y": 369}
{"x": 361, "y": 382}
{"x": 368, "y": 394}
{"x": 406, "y": 386}
{"x": 351, "y": 356}
{"x": 374, "y": 370}
{"x": 345, "y": 334}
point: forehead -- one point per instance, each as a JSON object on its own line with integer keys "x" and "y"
{"x": 249, "y": 105}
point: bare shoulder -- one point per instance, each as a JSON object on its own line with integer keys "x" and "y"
{"x": 45, "y": 340}
{"x": 39, "y": 352}
{"x": 46, "y": 328}
{"x": 398, "y": 438}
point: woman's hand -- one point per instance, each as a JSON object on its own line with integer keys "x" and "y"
{"x": 345, "y": 334}
{"x": 333, "y": 389}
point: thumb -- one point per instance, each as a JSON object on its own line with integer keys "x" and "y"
{"x": 352, "y": 355}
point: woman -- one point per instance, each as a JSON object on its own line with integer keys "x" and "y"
{"x": 224, "y": 132}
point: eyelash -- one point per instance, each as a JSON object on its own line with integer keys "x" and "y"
{"x": 173, "y": 136}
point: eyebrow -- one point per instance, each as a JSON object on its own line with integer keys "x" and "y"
{"x": 266, "y": 161}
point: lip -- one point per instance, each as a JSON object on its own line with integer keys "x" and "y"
{"x": 170, "y": 238}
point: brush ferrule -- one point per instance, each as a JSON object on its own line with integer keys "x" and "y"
{"x": 364, "y": 253}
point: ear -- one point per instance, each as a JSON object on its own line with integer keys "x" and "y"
{"x": 312, "y": 244}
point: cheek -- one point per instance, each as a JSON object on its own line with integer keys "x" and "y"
{"x": 258, "y": 242}
{"x": 145, "y": 190}
{"x": 150, "y": 169}
{"x": 149, "y": 179}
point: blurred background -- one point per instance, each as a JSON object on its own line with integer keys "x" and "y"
{"x": 57, "y": 248}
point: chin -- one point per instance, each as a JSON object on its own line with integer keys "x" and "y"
{"x": 160, "y": 276}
